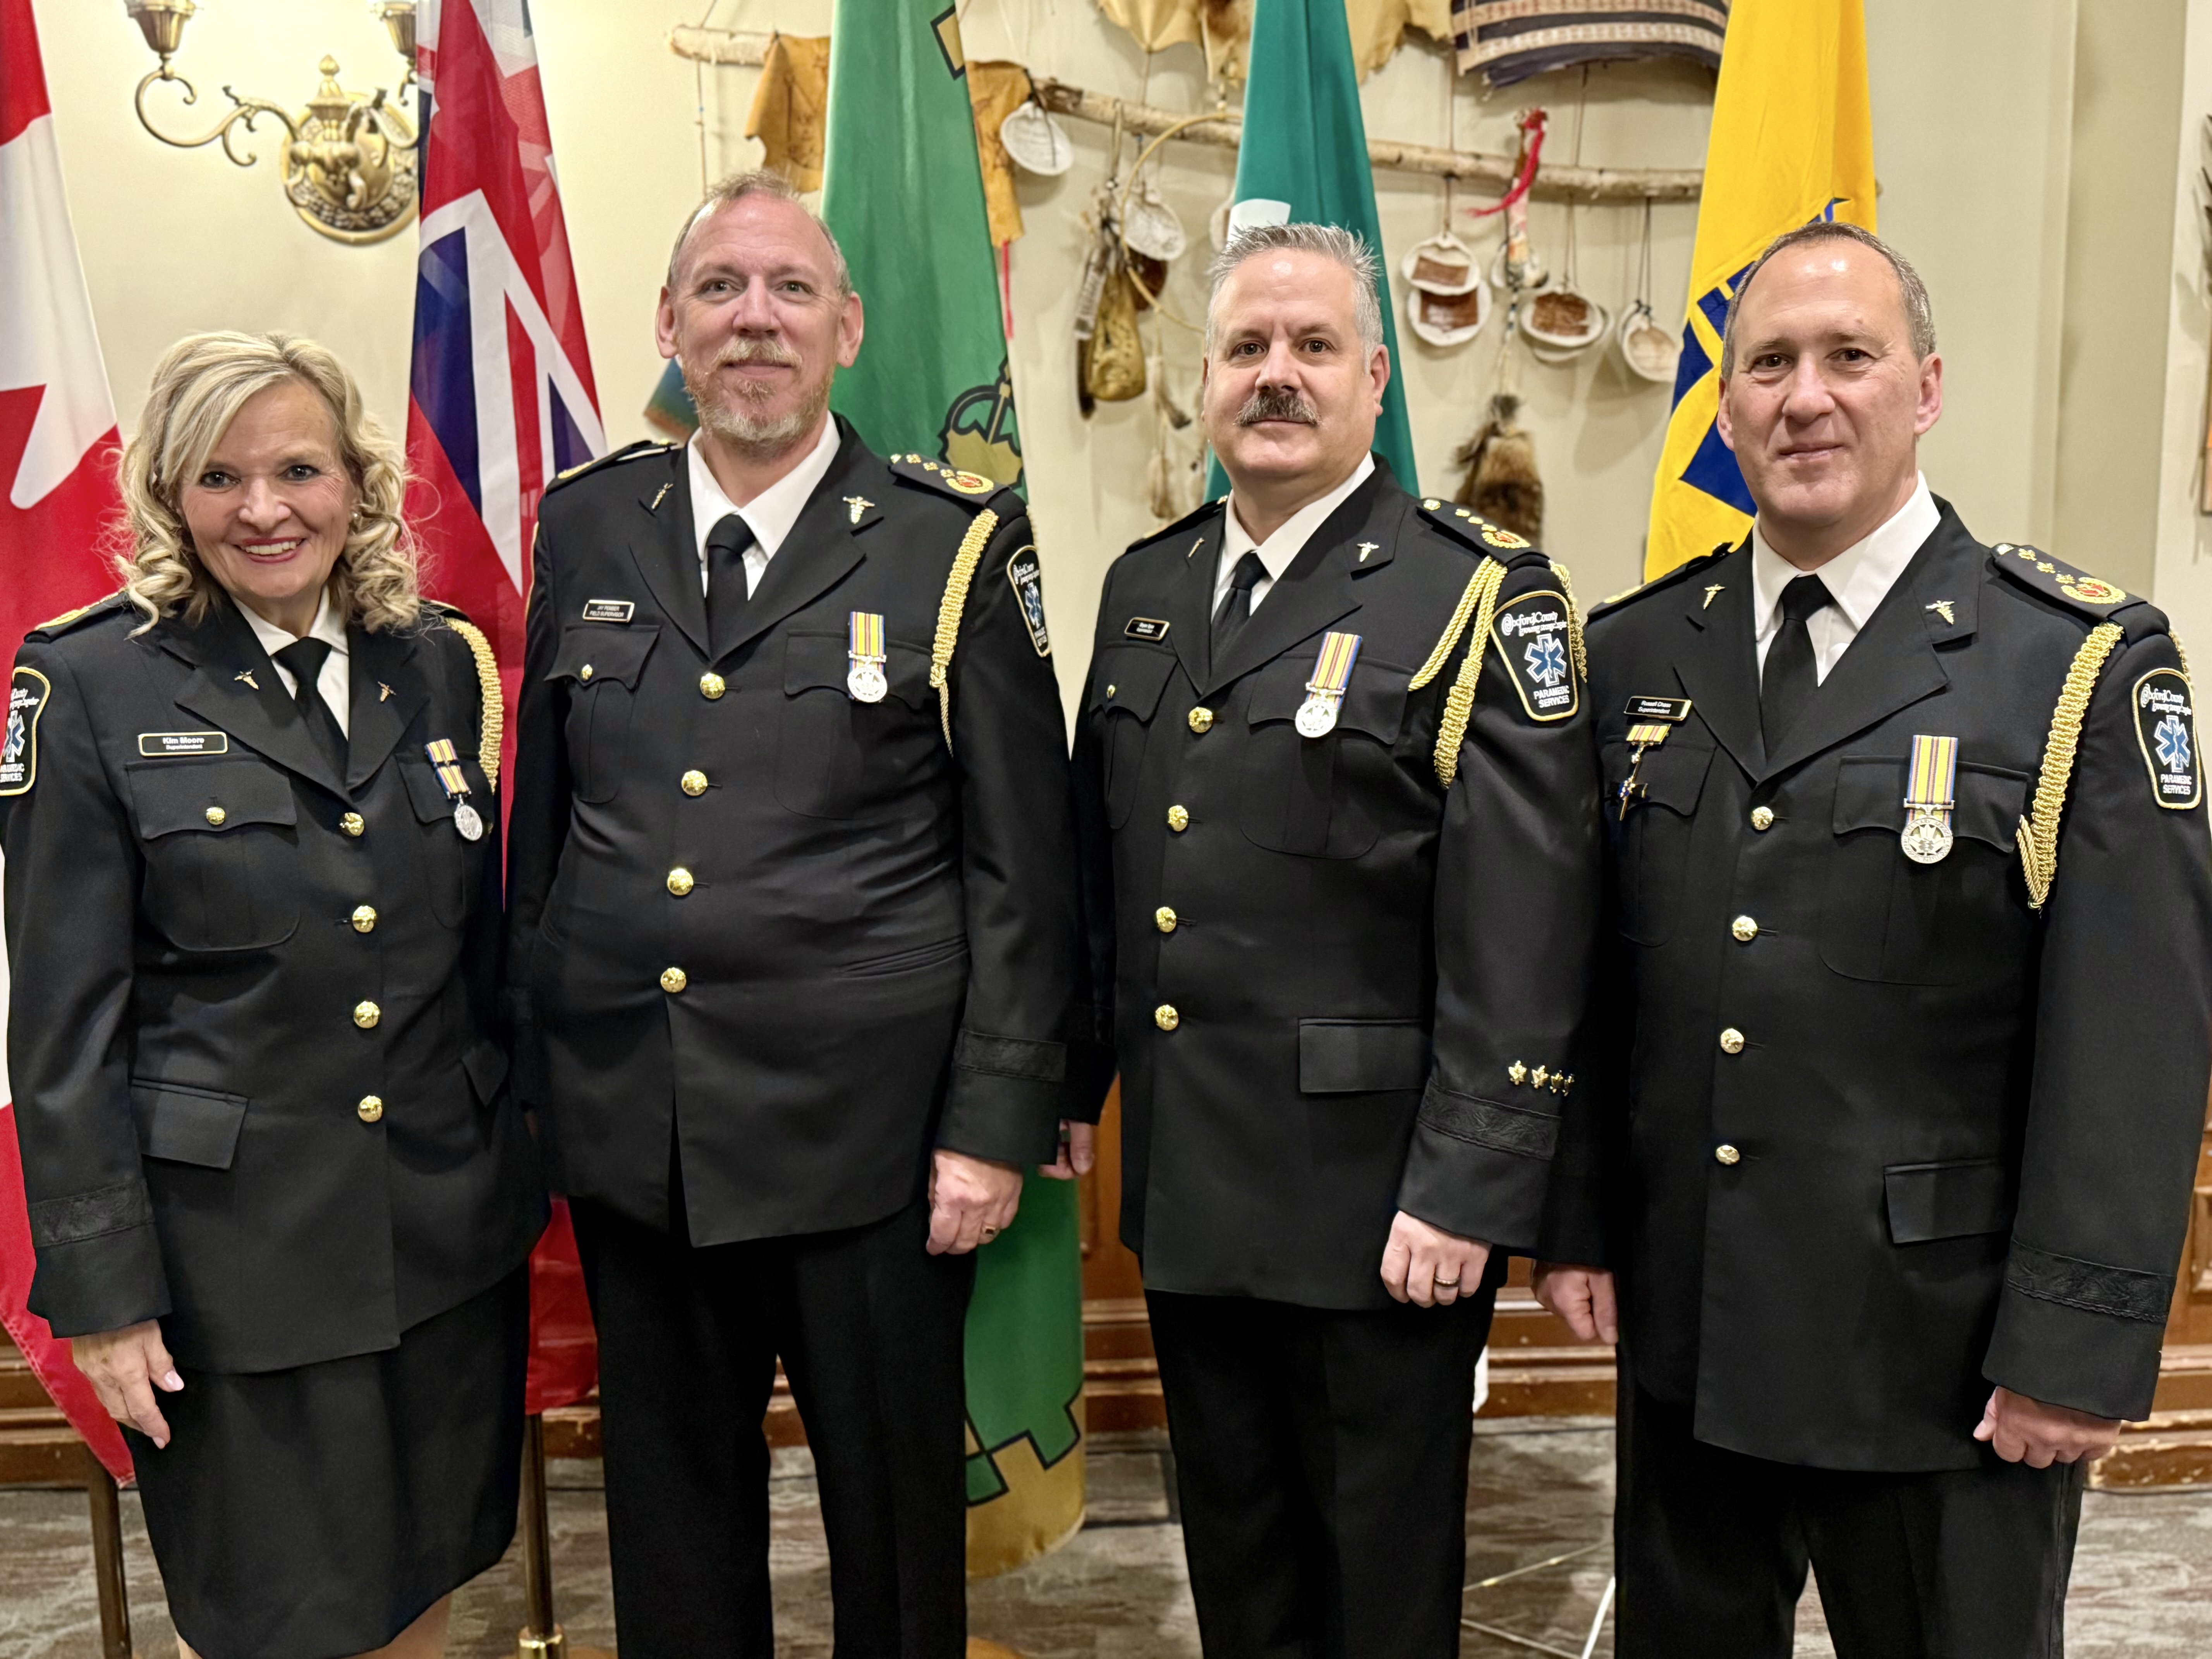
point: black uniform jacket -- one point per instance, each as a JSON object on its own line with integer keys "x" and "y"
{"x": 1884, "y": 1133}
{"x": 871, "y": 947}
{"x": 257, "y": 1077}
{"x": 1335, "y": 986}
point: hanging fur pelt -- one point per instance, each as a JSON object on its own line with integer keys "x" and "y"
{"x": 1502, "y": 482}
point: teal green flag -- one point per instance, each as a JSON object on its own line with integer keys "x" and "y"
{"x": 1305, "y": 146}
{"x": 903, "y": 191}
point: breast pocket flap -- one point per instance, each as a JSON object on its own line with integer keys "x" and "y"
{"x": 821, "y": 662}
{"x": 185, "y": 1125}
{"x": 1374, "y": 703}
{"x": 1361, "y": 1056}
{"x": 170, "y": 796}
{"x": 1953, "y": 1199}
{"x": 1987, "y": 800}
{"x": 595, "y": 655}
{"x": 1130, "y": 678}
{"x": 1673, "y": 776}
{"x": 424, "y": 792}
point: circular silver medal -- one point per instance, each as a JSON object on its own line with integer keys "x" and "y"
{"x": 1926, "y": 837}
{"x": 469, "y": 822}
{"x": 1316, "y": 717}
{"x": 865, "y": 680}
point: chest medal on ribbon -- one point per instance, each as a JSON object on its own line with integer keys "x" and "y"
{"x": 865, "y": 678}
{"x": 448, "y": 762}
{"x": 1651, "y": 718}
{"x": 1325, "y": 690}
{"x": 1927, "y": 836}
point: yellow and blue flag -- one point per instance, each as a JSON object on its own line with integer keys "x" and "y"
{"x": 1792, "y": 142}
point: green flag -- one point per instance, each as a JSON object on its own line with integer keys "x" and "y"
{"x": 1304, "y": 149}
{"x": 903, "y": 191}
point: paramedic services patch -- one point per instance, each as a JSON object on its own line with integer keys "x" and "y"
{"x": 2166, "y": 726}
{"x": 1533, "y": 636}
{"x": 19, "y": 748}
{"x": 1027, "y": 575}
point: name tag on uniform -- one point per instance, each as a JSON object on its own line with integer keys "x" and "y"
{"x": 608, "y": 611}
{"x": 447, "y": 762}
{"x": 1145, "y": 627}
{"x": 865, "y": 651}
{"x": 1928, "y": 800}
{"x": 1673, "y": 710}
{"x": 1325, "y": 690}
{"x": 154, "y": 744}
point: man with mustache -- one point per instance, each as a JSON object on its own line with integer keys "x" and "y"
{"x": 1337, "y": 810}
{"x": 1908, "y": 980}
{"x": 791, "y": 940}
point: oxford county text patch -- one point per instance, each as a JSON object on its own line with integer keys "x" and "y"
{"x": 1027, "y": 575}
{"x": 2166, "y": 726}
{"x": 1533, "y": 636}
{"x": 28, "y": 693}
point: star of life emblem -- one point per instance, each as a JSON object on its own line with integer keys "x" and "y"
{"x": 1547, "y": 660}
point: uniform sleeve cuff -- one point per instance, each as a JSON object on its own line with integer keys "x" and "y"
{"x": 1003, "y": 1101}
{"x": 2076, "y": 1333}
{"x": 100, "y": 1281}
{"x": 1479, "y": 1168}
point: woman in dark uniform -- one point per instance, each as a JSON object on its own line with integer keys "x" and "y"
{"x": 280, "y": 1199}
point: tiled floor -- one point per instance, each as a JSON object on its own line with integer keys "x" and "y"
{"x": 2142, "y": 1580}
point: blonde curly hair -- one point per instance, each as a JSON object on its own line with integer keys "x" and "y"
{"x": 199, "y": 388}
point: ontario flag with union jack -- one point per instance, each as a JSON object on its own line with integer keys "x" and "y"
{"x": 499, "y": 400}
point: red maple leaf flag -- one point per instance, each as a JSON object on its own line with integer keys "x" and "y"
{"x": 57, "y": 503}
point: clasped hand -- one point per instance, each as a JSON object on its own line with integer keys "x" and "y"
{"x": 973, "y": 1199}
{"x": 1428, "y": 1266}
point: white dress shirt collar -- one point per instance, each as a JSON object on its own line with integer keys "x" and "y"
{"x": 771, "y": 513}
{"x": 1290, "y": 540}
{"x": 1858, "y": 579}
{"x": 335, "y": 682}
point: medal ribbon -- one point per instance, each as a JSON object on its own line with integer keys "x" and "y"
{"x": 865, "y": 633}
{"x": 1333, "y": 668}
{"x": 1650, "y": 735}
{"x": 447, "y": 760}
{"x": 1934, "y": 776}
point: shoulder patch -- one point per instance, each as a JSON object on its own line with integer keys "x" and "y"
{"x": 948, "y": 480}
{"x": 1179, "y": 525}
{"x": 27, "y": 692}
{"x": 1533, "y": 634}
{"x": 1468, "y": 526}
{"x": 1664, "y": 579}
{"x": 2166, "y": 728}
{"x": 637, "y": 452}
{"x": 1027, "y": 575}
{"x": 55, "y": 627}
{"x": 2034, "y": 569}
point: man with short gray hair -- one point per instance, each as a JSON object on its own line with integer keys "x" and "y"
{"x": 1337, "y": 809}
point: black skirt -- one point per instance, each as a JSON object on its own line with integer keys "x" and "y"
{"x": 318, "y": 1512}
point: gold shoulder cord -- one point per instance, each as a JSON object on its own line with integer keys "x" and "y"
{"x": 493, "y": 722}
{"x": 1455, "y": 628}
{"x": 949, "y": 609}
{"x": 1459, "y": 702}
{"x": 1574, "y": 623}
{"x": 2037, "y": 836}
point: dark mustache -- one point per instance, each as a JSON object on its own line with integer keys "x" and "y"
{"x": 1277, "y": 402}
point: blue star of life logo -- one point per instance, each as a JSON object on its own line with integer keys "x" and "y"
{"x": 12, "y": 750}
{"x": 2173, "y": 744}
{"x": 1548, "y": 662}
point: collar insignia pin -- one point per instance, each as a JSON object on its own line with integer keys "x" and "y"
{"x": 1709, "y": 592}
{"x": 859, "y": 504}
{"x": 1942, "y": 608}
{"x": 384, "y": 691}
{"x": 249, "y": 680}
{"x": 657, "y": 495}
{"x": 1365, "y": 548}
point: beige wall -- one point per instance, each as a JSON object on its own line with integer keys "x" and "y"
{"x": 1979, "y": 110}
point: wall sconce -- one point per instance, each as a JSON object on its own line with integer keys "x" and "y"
{"x": 350, "y": 158}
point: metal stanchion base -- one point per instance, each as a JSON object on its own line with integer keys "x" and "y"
{"x": 530, "y": 1644}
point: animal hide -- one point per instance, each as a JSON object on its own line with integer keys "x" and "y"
{"x": 1502, "y": 482}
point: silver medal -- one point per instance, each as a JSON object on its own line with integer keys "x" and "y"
{"x": 1318, "y": 716}
{"x": 469, "y": 822}
{"x": 865, "y": 680}
{"x": 1926, "y": 836}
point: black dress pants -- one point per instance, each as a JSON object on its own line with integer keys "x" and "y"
{"x": 1711, "y": 1547}
{"x": 869, "y": 1327}
{"x": 1321, "y": 1462}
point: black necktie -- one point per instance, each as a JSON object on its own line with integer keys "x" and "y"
{"x": 303, "y": 660}
{"x": 726, "y": 579}
{"x": 1236, "y": 607}
{"x": 1789, "y": 682}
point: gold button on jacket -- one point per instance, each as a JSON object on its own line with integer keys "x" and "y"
{"x": 1178, "y": 819}
{"x": 366, "y": 1014}
{"x": 353, "y": 823}
{"x": 1725, "y": 1154}
{"x": 1745, "y": 929}
{"x": 1201, "y": 719}
{"x": 585, "y": 672}
{"x": 711, "y": 684}
{"x": 673, "y": 979}
{"x": 1762, "y": 817}
{"x": 364, "y": 919}
{"x": 370, "y": 1110}
{"x": 1164, "y": 919}
{"x": 695, "y": 783}
{"x": 679, "y": 881}
{"x": 215, "y": 816}
{"x": 1166, "y": 1017}
{"x": 1732, "y": 1040}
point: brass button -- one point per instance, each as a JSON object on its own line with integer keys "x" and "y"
{"x": 1744, "y": 930}
{"x": 1178, "y": 819}
{"x": 364, "y": 919}
{"x": 215, "y": 816}
{"x": 1201, "y": 719}
{"x": 353, "y": 823}
{"x": 712, "y": 686}
{"x": 366, "y": 1014}
{"x": 673, "y": 979}
{"x": 679, "y": 881}
{"x": 1109, "y": 691}
{"x": 1731, "y": 1041}
{"x": 1725, "y": 1153}
{"x": 1165, "y": 917}
{"x": 585, "y": 672}
{"x": 1166, "y": 1017}
{"x": 695, "y": 783}
{"x": 370, "y": 1110}
{"x": 1762, "y": 817}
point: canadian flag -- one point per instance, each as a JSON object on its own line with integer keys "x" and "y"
{"x": 58, "y": 505}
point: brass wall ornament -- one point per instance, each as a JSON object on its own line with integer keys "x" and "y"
{"x": 349, "y": 160}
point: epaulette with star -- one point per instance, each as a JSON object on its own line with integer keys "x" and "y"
{"x": 2077, "y": 590}
{"x": 970, "y": 487}
{"x": 1664, "y": 579}
{"x": 55, "y": 627}
{"x": 635, "y": 451}
{"x": 1464, "y": 523}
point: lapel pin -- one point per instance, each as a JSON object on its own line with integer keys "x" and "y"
{"x": 657, "y": 495}
{"x": 1365, "y": 548}
{"x": 385, "y": 691}
{"x": 859, "y": 504}
{"x": 1709, "y": 592}
{"x": 250, "y": 680}
{"x": 1194, "y": 546}
{"x": 1942, "y": 608}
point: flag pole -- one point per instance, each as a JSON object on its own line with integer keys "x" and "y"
{"x": 108, "y": 1559}
{"x": 541, "y": 1638}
